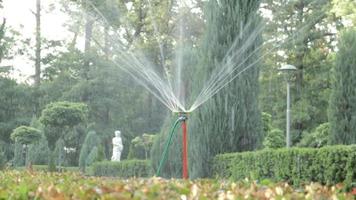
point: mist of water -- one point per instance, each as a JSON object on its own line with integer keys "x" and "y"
{"x": 158, "y": 79}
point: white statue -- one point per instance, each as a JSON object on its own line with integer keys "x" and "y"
{"x": 117, "y": 146}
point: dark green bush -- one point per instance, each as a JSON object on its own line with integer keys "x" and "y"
{"x": 274, "y": 139}
{"x": 318, "y": 138}
{"x": 2, "y": 160}
{"x": 327, "y": 165}
{"x": 141, "y": 146}
{"x": 124, "y": 169}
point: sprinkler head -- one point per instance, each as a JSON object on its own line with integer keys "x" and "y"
{"x": 183, "y": 116}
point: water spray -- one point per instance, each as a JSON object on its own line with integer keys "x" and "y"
{"x": 182, "y": 118}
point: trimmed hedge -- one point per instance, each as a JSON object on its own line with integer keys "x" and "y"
{"x": 327, "y": 165}
{"x": 44, "y": 168}
{"x": 124, "y": 169}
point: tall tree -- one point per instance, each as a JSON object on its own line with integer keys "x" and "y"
{"x": 2, "y": 36}
{"x": 345, "y": 9}
{"x": 59, "y": 119}
{"x": 89, "y": 22}
{"x": 38, "y": 43}
{"x": 230, "y": 121}
{"x": 342, "y": 107}
{"x": 310, "y": 31}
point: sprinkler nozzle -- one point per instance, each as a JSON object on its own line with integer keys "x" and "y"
{"x": 183, "y": 116}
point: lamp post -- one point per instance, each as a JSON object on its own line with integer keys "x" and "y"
{"x": 288, "y": 71}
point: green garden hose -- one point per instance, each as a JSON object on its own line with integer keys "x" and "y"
{"x": 166, "y": 148}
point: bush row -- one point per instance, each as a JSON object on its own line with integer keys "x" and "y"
{"x": 124, "y": 169}
{"x": 327, "y": 165}
{"x": 2, "y": 160}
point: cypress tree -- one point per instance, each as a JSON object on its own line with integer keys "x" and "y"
{"x": 91, "y": 140}
{"x": 231, "y": 120}
{"x": 342, "y": 106}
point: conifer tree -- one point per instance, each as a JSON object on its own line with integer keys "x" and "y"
{"x": 342, "y": 107}
{"x": 91, "y": 140}
{"x": 231, "y": 120}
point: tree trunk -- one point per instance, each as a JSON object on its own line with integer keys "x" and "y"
{"x": 107, "y": 43}
{"x": 88, "y": 37}
{"x": 38, "y": 44}
{"x": 106, "y": 34}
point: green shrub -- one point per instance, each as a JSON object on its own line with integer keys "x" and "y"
{"x": 2, "y": 160}
{"x": 38, "y": 152}
{"x": 327, "y": 165}
{"x": 91, "y": 140}
{"x": 267, "y": 122}
{"x": 59, "y": 153}
{"x": 318, "y": 138}
{"x": 124, "y": 169}
{"x": 92, "y": 156}
{"x": 141, "y": 146}
{"x": 26, "y": 135}
{"x": 274, "y": 139}
{"x": 44, "y": 168}
{"x": 18, "y": 159}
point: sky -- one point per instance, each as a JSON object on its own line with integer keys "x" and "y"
{"x": 19, "y": 16}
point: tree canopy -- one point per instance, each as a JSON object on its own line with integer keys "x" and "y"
{"x": 26, "y": 135}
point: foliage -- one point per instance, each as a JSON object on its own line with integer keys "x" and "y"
{"x": 15, "y": 103}
{"x": 18, "y": 159}
{"x": 59, "y": 117}
{"x": 231, "y": 120}
{"x": 59, "y": 153}
{"x": 114, "y": 100}
{"x": 6, "y": 149}
{"x": 44, "y": 168}
{"x": 124, "y": 169}
{"x": 7, "y": 41}
{"x": 308, "y": 45}
{"x": 140, "y": 146}
{"x": 38, "y": 152}
{"x": 327, "y": 165}
{"x": 92, "y": 156}
{"x": 318, "y": 138}
{"x": 41, "y": 185}
{"x": 91, "y": 141}
{"x": 342, "y": 106}
{"x": 345, "y": 9}
{"x": 267, "y": 122}
{"x": 274, "y": 139}
{"x": 101, "y": 154}
{"x": 26, "y": 135}
{"x": 2, "y": 160}
{"x": 63, "y": 114}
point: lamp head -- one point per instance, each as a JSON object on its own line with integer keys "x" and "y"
{"x": 288, "y": 71}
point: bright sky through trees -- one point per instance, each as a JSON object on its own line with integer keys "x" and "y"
{"x": 19, "y": 16}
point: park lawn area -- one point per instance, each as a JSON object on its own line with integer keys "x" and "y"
{"x": 71, "y": 185}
